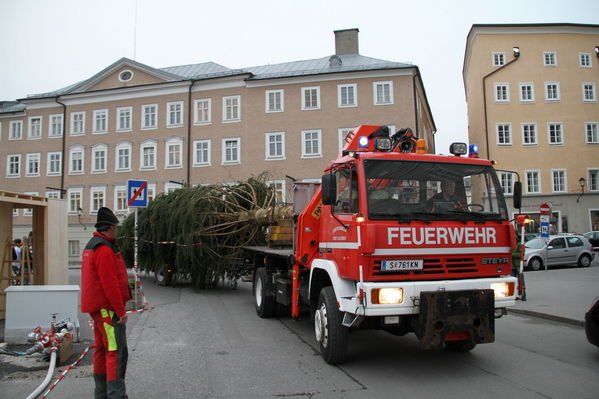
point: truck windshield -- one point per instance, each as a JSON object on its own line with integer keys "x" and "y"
{"x": 405, "y": 190}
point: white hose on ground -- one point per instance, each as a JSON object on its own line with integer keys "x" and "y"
{"x": 46, "y": 381}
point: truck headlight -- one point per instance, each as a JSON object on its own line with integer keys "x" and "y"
{"x": 503, "y": 290}
{"x": 387, "y": 296}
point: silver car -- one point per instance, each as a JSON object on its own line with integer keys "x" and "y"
{"x": 559, "y": 250}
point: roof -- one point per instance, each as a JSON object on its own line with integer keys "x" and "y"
{"x": 7, "y": 107}
{"x": 195, "y": 70}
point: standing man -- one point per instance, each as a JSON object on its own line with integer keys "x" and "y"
{"x": 104, "y": 293}
{"x": 17, "y": 253}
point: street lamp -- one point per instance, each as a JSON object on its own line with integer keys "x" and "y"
{"x": 79, "y": 213}
{"x": 582, "y": 181}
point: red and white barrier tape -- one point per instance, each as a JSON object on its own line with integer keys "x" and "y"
{"x": 66, "y": 370}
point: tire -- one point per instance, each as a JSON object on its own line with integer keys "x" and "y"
{"x": 535, "y": 264}
{"x": 584, "y": 261}
{"x": 162, "y": 276}
{"x": 265, "y": 304}
{"x": 460, "y": 346}
{"x": 331, "y": 335}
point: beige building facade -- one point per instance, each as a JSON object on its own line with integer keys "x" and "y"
{"x": 198, "y": 124}
{"x": 531, "y": 91}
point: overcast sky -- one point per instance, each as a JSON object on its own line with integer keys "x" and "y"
{"x": 46, "y": 45}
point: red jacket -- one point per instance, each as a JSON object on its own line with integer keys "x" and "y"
{"x": 104, "y": 281}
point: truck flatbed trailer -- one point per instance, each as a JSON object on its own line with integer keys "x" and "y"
{"x": 278, "y": 252}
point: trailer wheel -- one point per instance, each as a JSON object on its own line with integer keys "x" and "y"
{"x": 460, "y": 346}
{"x": 330, "y": 333}
{"x": 265, "y": 304}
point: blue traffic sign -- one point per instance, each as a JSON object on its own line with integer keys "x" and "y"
{"x": 137, "y": 193}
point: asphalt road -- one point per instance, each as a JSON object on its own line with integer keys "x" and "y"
{"x": 212, "y": 345}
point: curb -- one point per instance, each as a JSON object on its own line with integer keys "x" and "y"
{"x": 559, "y": 319}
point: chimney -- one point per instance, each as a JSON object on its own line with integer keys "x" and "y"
{"x": 346, "y": 41}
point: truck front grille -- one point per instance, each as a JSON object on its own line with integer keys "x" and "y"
{"x": 436, "y": 266}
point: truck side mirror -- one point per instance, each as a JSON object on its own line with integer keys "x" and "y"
{"x": 329, "y": 189}
{"x": 518, "y": 195}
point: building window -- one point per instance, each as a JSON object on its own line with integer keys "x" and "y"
{"x": 55, "y": 128}
{"x": 231, "y": 108}
{"x": 201, "y": 153}
{"x": 170, "y": 187}
{"x": 588, "y": 92}
{"x": 151, "y": 192}
{"x": 35, "y": 128}
{"x": 174, "y": 149}
{"x": 175, "y": 114}
{"x": 203, "y": 111}
{"x": 148, "y": 116}
{"x": 75, "y": 195}
{"x": 585, "y": 60}
{"x": 527, "y": 92}
{"x": 15, "y": 131}
{"x": 498, "y": 59}
{"x": 13, "y": 165}
{"x": 77, "y": 123}
{"x": 592, "y": 135}
{"x": 552, "y": 91}
{"x": 275, "y": 101}
{"x": 74, "y": 249}
{"x": 311, "y": 143}
{"x": 342, "y": 135}
{"x": 383, "y": 93}
{"x": 533, "y": 183}
{"x": 504, "y": 134}
{"x": 123, "y": 118}
{"x": 549, "y": 58}
{"x": 123, "y": 157}
{"x": 33, "y": 165}
{"x": 310, "y": 98}
{"x": 502, "y": 92}
{"x": 100, "y": 121}
{"x": 559, "y": 182}
{"x": 507, "y": 182}
{"x": 29, "y": 211}
{"x": 347, "y": 95}
{"x": 555, "y": 132}
{"x": 99, "y": 159}
{"x": 54, "y": 163}
{"x": 97, "y": 199}
{"x": 120, "y": 198}
{"x": 593, "y": 179}
{"x": 76, "y": 156}
{"x": 231, "y": 151}
{"x": 529, "y": 134}
{"x": 147, "y": 156}
{"x": 54, "y": 194}
{"x": 275, "y": 145}
{"x": 279, "y": 188}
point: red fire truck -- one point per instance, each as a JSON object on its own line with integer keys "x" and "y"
{"x": 396, "y": 239}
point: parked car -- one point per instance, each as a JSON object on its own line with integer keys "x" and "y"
{"x": 591, "y": 323}
{"x": 559, "y": 250}
{"x": 593, "y": 237}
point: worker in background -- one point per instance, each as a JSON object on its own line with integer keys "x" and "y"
{"x": 104, "y": 293}
{"x": 518, "y": 272}
{"x": 446, "y": 200}
{"x": 17, "y": 253}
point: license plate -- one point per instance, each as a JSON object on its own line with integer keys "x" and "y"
{"x": 395, "y": 265}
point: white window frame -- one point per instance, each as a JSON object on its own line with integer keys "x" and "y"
{"x": 283, "y": 189}
{"x": 9, "y": 161}
{"x": 532, "y": 92}
{"x": 507, "y": 92}
{"x": 144, "y": 109}
{"x": 122, "y": 146}
{"x": 74, "y": 250}
{"x": 11, "y": 130}
{"x": 267, "y": 155}
{"x": 54, "y": 194}
{"x": 148, "y": 144}
{"x": 30, "y": 135}
{"x": 77, "y": 190}
{"x": 305, "y": 107}
{"x": 319, "y": 138}
{"x": 596, "y": 132}
{"x": 197, "y": 113}
{"x": 224, "y": 151}
{"x": 527, "y": 188}
{"x": 340, "y": 87}
{"x": 116, "y": 191}
{"x": 267, "y": 94}
{"x": 588, "y": 58}
{"x": 51, "y": 125}
{"x": 508, "y": 190}
{"x": 119, "y": 125}
{"x": 92, "y": 191}
{"x": 494, "y": 59}
{"x": 95, "y": 149}
{"x": 76, "y": 149}
{"x": 97, "y": 113}
{"x": 49, "y": 163}
{"x": 196, "y": 161}
{"x": 73, "y": 131}
{"x": 29, "y": 211}
{"x": 173, "y": 141}
{"x": 565, "y": 187}
{"x": 536, "y": 131}
{"x": 562, "y": 133}
{"x": 234, "y": 118}
{"x": 511, "y": 134}
{"x": 29, "y": 159}
{"x": 545, "y": 54}
{"x": 558, "y": 92}
{"x": 374, "y": 93}
{"x": 593, "y": 92}
{"x": 590, "y": 179}
{"x": 169, "y": 119}
{"x": 341, "y": 133}
{"x": 170, "y": 187}
{"x": 151, "y": 192}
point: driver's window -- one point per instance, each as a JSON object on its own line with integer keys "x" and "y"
{"x": 558, "y": 243}
{"x": 347, "y": 191}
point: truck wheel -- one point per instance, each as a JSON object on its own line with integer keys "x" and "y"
{"x": 584, "y": 261}
{"x": 460, "y": 346}
{"x": 265, "y": 304}
{"x": 330, "y": 333}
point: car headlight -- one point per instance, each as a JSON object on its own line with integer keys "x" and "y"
{"x": 503, "y": 290}
{"x": 387, "y": 296}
